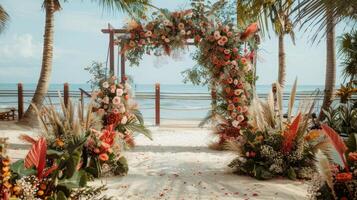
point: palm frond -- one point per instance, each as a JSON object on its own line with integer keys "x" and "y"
{"x": 4, "y": 19}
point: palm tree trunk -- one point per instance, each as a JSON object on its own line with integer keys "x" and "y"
{"x": 282, "y": 65}
{"x": 45, "y": 75}
{"x": 330, "y": 77}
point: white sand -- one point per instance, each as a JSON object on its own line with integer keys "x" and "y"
{"x": 178, "y": 165}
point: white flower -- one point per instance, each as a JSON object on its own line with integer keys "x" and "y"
{"x": 235, "y": 123}
{"x": 106, "y": 100}
{"x": 116, "y": 100}
{"x": 124, "y": 120}
{"x": 235, "y": 82}
{"x": 183, "y": 32}
{"x": 105, "y": 84}
{"x": 120, "y": 92}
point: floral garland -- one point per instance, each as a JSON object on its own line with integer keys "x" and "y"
{"x": 220, "y": 52}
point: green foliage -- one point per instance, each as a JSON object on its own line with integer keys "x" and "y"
{"x": 121, "y": 166}
{"x": 18, "y": 169}
{"x": 98, "y": 72}
{"x": 4, "y": 18}
{"x": 342, "y": 118}
{"x": 348, "y": 52}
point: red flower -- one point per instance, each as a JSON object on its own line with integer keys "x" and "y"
{"x": 352, "y": 156}
{"x": 103, "y": 157}
{"x": 235, "y": 100}
{"x": 108, "y": 136}
{"x": 343, "y": 177}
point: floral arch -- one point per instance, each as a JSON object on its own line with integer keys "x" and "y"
{"x": 223, "y": 51}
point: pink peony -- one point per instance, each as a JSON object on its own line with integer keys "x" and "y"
{"x": 120, "y": 92}
{"x": 240, "y": 118}
{"x": 116, "y": 100}
{"x": 221, "y": 43}
{"x": 238, "y": 92}
{"x": 217, "y": 35}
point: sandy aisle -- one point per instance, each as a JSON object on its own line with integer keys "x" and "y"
{"x": 178, "y": 165}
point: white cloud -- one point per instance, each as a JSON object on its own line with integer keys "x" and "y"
{"x": 20, "y": 46}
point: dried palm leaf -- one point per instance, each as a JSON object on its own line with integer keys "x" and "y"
{"x": 324, "y": 169}
{"x": 292, "y": 100}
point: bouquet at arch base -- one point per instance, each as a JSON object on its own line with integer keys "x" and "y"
{"x": 118, "y": 111}
{"x": 337, "y": 166}
{"x": 275, "y": 146}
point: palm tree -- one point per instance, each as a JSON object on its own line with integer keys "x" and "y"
{"x": 282, "y": 26}
{"x": 274, "y": 13}
{"x": 348, "y": 51}
{"x": 4, "y": 18}
{"x": 50, "y": 7}
{"x": 325, "y": 14}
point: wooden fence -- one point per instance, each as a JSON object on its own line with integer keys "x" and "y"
{"x": 157, "y": 96}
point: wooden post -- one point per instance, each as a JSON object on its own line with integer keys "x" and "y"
{"x": 111, "y": 53}
{"x": 66, "y": 94}
{"x": 157, "y": 104}
{"x": 214, "y": 99}
{"x": 20, "y": 100}
{"x": 122, "y": 65}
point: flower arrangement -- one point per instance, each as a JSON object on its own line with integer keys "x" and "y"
{"x": 273, "y": 147}
{"x": 219, "y": 52}
{"x": 119, "y": 112}
{"x": 46, "y": 173}
{"x": 337, "y": 177}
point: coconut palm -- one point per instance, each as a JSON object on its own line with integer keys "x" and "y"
{"x": 325, "y": 14}
{"x": 4, "y": 18}
{"x": 51, "y": 6}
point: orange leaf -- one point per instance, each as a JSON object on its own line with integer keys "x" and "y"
{"x": 37, "y": 156}
{"x": 337, "y": 142}
{"x": 290, "y": 134}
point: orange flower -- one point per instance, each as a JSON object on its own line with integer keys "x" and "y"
{"x": 103, "y": 157}
{"x": 352, "y": 156}
{"x": 312, "y": 135}
{"x": 344, "y": 177}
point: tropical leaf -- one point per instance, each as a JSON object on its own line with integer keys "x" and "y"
{"x": 139, "y": 128}
{"x": 290, "y": 134}
{"x": 37, "y": 156}
{"x": 18, "y": 168}
{"x": 337, "y": 142}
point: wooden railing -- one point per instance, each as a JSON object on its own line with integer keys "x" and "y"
{"x": 157, "y": 96}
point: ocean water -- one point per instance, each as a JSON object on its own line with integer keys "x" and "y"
{"x": 178, "y": 102}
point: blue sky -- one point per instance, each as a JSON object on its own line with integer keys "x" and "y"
{"x": 79, "y": 41}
